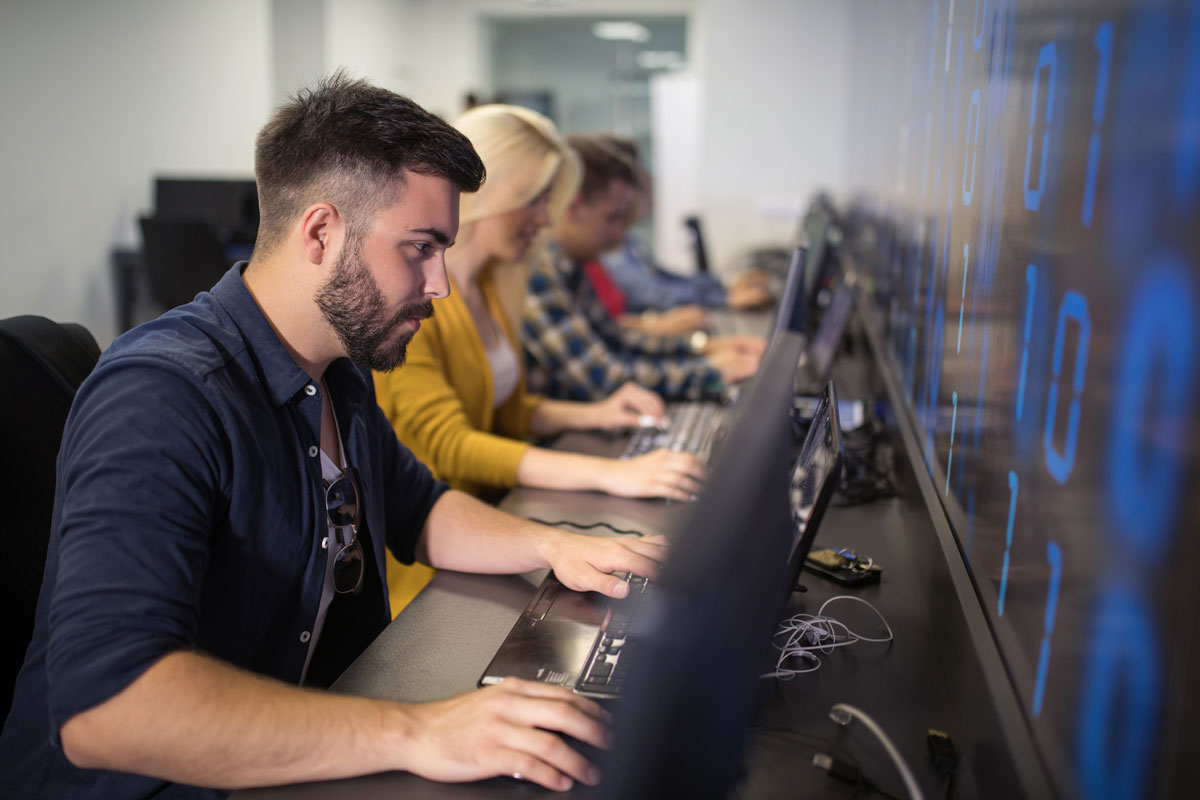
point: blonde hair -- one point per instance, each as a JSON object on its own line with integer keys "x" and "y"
{"x": 524, "y": 155}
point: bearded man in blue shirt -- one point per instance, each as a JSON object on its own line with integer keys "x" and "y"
{"x": 226, "y": 487}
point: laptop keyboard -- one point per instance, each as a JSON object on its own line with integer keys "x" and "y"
{"x": 691, "y": 430}
{"x": 607, "y": 664}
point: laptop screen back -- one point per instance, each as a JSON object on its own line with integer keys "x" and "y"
{"x": 791, "y": 311}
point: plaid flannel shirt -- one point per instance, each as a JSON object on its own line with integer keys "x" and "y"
{"x": 574, "y": 350}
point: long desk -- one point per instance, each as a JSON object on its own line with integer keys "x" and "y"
{"x": 929, "y": 676}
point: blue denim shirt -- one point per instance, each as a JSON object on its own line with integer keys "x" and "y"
{"x": 649, "y": 287}
{"x": 190, "y": 513}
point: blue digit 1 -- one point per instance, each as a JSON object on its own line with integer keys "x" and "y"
{"x": 962, "y": 304}
{"x": 950, "y": 458}
{"x": 1121, "y": 697}
{"x": 1055, "y": 559}
{"x": 1074, "y": 306}
{"x": 1031, "y": 280}
{"x": 1104, "y": 46}
{"x": 1047, "y": 59}
{"x": 1013, "y": 486}
{"x": 977, "y": 28}
{"x": 972, "y": 148}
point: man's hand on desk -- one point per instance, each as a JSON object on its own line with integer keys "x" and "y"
{"x": 746, "y": 296}
{"x": 737, "y": 343}
{"x": 586, "y": 563}
{"x": 507, "y": 729}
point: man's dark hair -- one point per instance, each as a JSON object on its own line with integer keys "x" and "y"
{"x": 627, "y": 146}
{"x": 602, "y": 162}
{"x": 347, "y": 142}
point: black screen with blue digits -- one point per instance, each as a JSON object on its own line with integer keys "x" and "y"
{"x": 1026, "y": 214}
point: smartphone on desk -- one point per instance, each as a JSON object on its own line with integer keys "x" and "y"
{"x": 844, "y": 566}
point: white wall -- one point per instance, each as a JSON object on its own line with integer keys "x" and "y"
{"x": 98, "y": 97}
{"x": 775, "y": 77}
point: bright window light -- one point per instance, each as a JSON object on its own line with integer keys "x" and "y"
{"x": 621, "y": 31}
{"x": 660, "y": 59}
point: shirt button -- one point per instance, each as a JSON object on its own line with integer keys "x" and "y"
{"x": 304, "y": 637}
{"x": 310, "y": 390}
{"x": 312, "y": 451}
{"x": 325, "y": 543}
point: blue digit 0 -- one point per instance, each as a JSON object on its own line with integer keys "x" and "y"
{"x": 1121, "y": 696}
{"x": 1146, "y": 460}
{"x": 1104, "y": 46}
{"x": 1048, "y": 60}
{"x": 1031, "y": 279}
{"x": 1074, "y": 306}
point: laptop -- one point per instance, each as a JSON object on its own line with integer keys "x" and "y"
{"x": 816, "y": 362}
{"x": 581, "y": 640}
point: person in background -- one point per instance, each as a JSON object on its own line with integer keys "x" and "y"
{"x": 652, "y": 294}
{"x": 575, "y": 349}
{"x": 460, "y": 402}
{"x": 226, "y": 488}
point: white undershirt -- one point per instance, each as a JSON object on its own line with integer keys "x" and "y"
{"x": 505, "y": 371}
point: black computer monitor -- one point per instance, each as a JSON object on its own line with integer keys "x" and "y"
{"x": 699, "y": 250}
{"x": 791, "y": 312}
{"x": 828, "y": 338}
{"x": 815, "y": 477}
{"x": 823, "y": 234}
{"x": 230, "y": 205}
{"x": 705, "y": 638}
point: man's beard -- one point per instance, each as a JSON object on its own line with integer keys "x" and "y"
{"x": 355, "y": 308}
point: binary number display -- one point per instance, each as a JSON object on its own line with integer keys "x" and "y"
{"x": 1055, "y": 145}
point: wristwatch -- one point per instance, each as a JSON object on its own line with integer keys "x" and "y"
{"x": 698, "y": 341}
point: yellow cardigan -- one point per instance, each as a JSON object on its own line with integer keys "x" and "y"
{"x": 440, "y": 401}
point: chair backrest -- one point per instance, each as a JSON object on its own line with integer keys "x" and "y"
{"x": 183, "y": 257}
{"x": 42, "y": 363}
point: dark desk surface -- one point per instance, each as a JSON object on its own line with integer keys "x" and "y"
{"x": 441, "y": 643}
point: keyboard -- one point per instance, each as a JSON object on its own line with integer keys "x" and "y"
{"x": 608, "y": 662}
{"x": 691, "y": 429}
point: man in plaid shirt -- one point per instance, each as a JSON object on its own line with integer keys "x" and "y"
{"x": 574, "y": 349}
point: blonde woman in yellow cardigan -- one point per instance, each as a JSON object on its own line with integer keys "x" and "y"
{"x": 459, "y": 402}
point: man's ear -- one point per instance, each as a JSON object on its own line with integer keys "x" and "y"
{"x": 321, "y": 232}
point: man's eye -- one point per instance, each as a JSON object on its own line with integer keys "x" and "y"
{"x": 421, "y": 246}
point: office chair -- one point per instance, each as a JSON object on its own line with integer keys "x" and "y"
{"x": 183, "y": 257}
{"x": 42, "y": 363}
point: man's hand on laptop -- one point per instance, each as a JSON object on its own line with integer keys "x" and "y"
{"x": 586, "y": 563}
{"x": 511, "y": 728}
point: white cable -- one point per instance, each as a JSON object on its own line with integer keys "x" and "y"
{"x": 805, "y": 635}
{"x": 841, "y": 714}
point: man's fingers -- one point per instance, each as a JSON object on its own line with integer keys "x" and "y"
{"x": 656, "y": 550}
{"x": 561, "y": 715}
{"x": 550, "y": 749}
{"x": 549, "y": 691}
{"x": 526, "y": 766}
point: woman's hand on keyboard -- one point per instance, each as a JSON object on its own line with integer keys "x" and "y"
{"x": 661, "y": 473}
{"x": 587, "y": 563}
{"x": 626, "y": 407}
